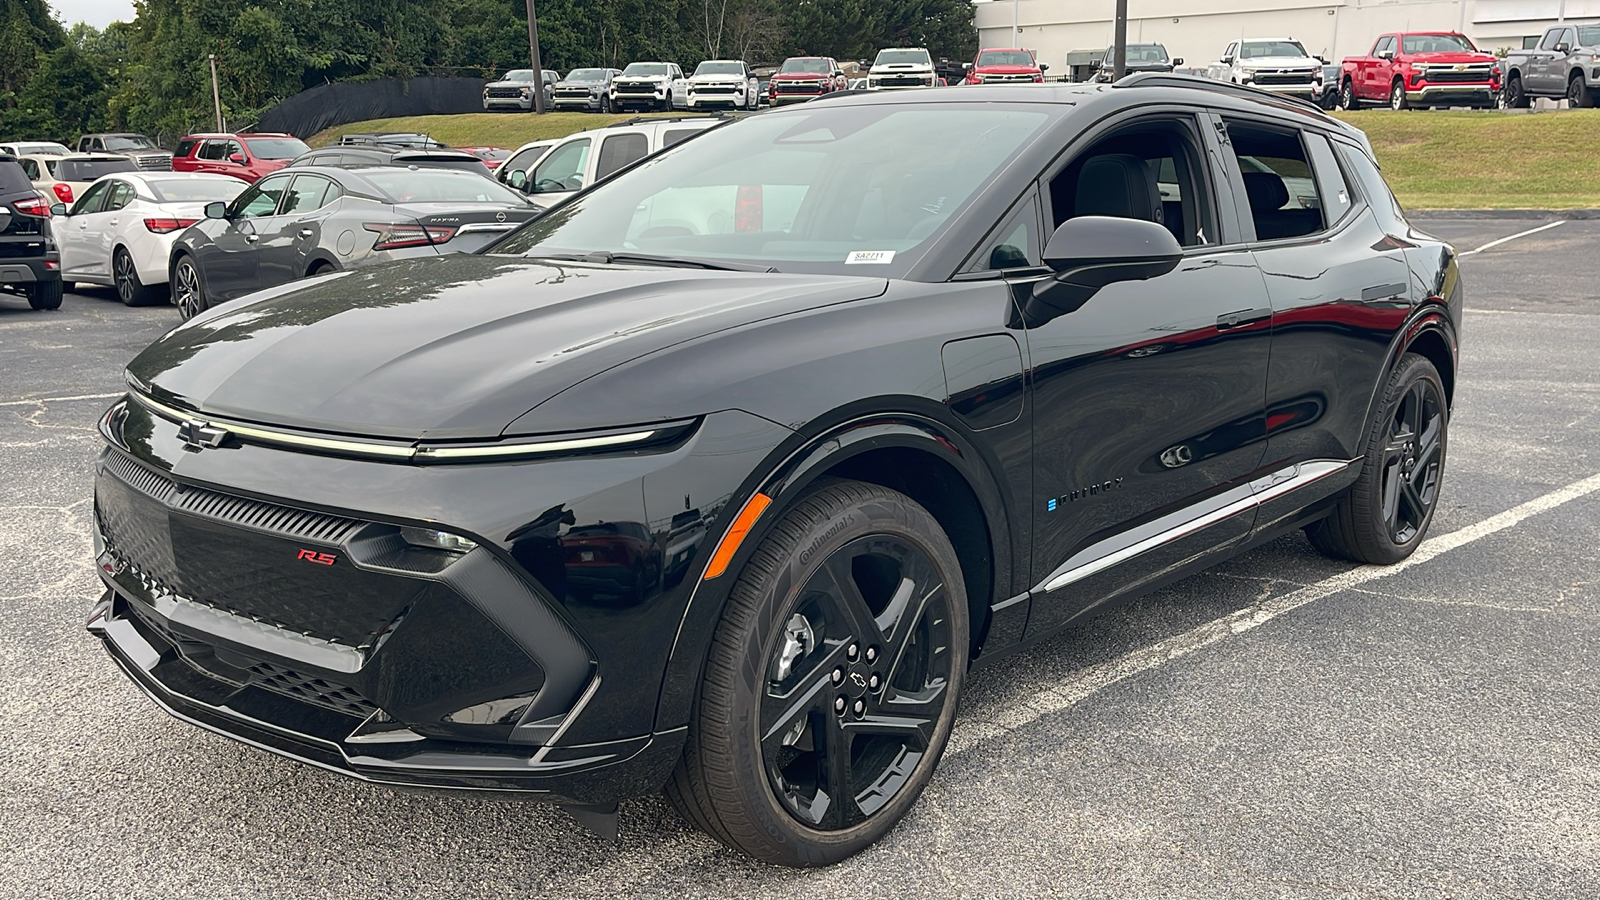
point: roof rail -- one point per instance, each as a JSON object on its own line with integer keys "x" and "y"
{"x": 1165, "y": 79}
{"x": 646, "y": 120}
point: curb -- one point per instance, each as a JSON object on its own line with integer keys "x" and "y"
{"x": 1544, "y": 214}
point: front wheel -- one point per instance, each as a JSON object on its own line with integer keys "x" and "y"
{"x": 1347, "y": 97}
{"x": 1578, "y": 94}
{"x": 1397, "y": 96}
{"x": 1516, "y": 98}
{"x": 1388, "y": 510}
{"x": 831, "y": 686}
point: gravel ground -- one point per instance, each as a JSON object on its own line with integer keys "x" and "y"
{"x": 1281, "y": 726}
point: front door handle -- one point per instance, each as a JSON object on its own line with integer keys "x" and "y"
{"x": 1242, "y": 317}
{"x": 306, "y": 232}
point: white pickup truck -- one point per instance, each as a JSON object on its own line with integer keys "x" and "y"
{"x": 724, "y": 82}
{"x": 650, "y": 85}
{"x": 1279, "y": 65}
{"x": 901, "y": 67}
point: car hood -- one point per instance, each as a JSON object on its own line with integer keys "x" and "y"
{"x": 800, "y": 76}
{"x": 717, "y": 79}
{"x": 452, "y": 347}
{"x": 1455, "y": 57}
{"x": 1279, "y": 62}
{"x": 896, "y": 68}
{"x": 1006, "y": 70}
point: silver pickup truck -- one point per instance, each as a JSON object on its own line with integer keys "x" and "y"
{"x": 1566, "y": 64}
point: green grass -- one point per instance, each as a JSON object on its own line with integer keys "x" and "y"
{"x": 502, "y": 129}
{"x": 1433, "y": 160}
{"x": 1487, "y": 160}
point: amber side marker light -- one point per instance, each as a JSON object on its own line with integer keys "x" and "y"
{"x": 753, "y": 508}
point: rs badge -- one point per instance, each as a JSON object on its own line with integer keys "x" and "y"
{"x": 321, "y": 559}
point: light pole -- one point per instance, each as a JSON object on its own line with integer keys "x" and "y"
{"x": 216, "y": 98}
{"x": 1015, "y": 27}
{"x": 538, "y": 66}
{"x": 1119, "y": 47}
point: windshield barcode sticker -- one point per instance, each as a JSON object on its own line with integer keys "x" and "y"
{"x": 869, "y": 257}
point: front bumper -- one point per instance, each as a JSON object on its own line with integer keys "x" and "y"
{"x": 1445, "y": 93}
{"x": 734, "y": 99}
{"x": 522, "y": 103}
{"x": 638, "y": 97}
{"x": 586, "y": 103}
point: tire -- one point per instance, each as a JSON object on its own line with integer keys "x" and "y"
{"x": 1397, "y": 96}
{"x": 802, "y": 620}
{"x": 1516, "y": 98}
{"x": 321, "y": 268}
{"x": 45, "y": 294}
{"x": 605, "y": 105}
{"x": 188, "y": 288}
{"x": 130, "y": 290}
{"x": 1348, "y": 100}
{"x": 1578, "y": 94}
{"x": 1387, "y": 511}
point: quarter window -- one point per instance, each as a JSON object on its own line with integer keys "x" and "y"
{"x": 1372, "y": 186}
{"x": 1278, "y": 182}
{"x": 1015, "y": 244}
{"x": 1335, "y": 194}
{"x": 184, "y": 148}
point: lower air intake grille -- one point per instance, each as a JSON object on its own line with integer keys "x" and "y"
{"x": 321, "y": 692}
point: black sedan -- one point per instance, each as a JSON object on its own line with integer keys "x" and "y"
{"x": 313, "y": 220}
{"x": 719, "y": 476}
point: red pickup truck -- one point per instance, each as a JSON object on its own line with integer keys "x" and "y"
{"x": 1423, "y": 69}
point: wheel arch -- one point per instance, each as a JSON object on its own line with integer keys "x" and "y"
{"x": 926, "y": 459}
{"x": 1430, "y": 342}
{"x": 321, "y": 257}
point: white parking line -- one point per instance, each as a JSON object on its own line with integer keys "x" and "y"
{"x": 1512, "y": 237}
{"x": 1019, "y": 711}
{"x": 60, "y": 399}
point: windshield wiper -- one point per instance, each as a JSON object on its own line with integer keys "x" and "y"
{"x": 606, "y": 256}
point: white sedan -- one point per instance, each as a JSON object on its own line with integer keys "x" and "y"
{"x": 121, "y": 229}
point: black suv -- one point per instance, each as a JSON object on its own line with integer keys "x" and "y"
{"x": 719, "y": 476}
{"x": 30, "y": 263}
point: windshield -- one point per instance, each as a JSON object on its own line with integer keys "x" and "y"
{"x": 805, "y": 67}
{"x": 1262, "y": 49}
{"x": 645, "y": 69}
{"x": 90, "y": 169}
{"x": 440, "y": 186}
{"x": 130, "y": 142}
{"x": 845, "y": 190}
{"x": 195, "y": 190}
{"x": 587, "y": 75}
{"x": 1005, "y": 58}
{"x": 719, "y": 68}
{"x": 893, "y": 57}
{"x": 519, "y": 75}
{"x": 1588, "y": 35}
{"x": 276, "y": 148}
{"x": 1145, "y": 53}
{"x": 1437, "y": 43}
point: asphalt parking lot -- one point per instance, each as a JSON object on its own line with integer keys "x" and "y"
{"x": 1281, "y": 726}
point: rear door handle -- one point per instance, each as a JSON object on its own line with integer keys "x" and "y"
{"x": 1242, "y": 317}
{"x": 1382, "y": 292}
{"x": 252, "y": 238}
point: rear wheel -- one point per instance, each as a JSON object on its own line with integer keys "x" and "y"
{"x": 832, "y": 682}
{"x": 1388, "y": 510}
{"x": 1347, "y": 97}
{"x": 321, "y": 268}
{"x": 1516, "y": 98}
{"x": 44, "y": 294}
{"x": 130, "y": 290}
{"x": 1397, "y": 96}
{"x": 188, "y": 291}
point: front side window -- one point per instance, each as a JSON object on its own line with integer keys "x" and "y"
{"x": 563, "y": 169}
{"x": 93, "y": 199}
{"x": 1386, "y": 44}
{"x": 1551, "y": 39}
{"x": 1278, "y": 182}
{"x": 1151, "y": 170}
{"x": 260, "y": 200}
{"x": 846, "y": 190}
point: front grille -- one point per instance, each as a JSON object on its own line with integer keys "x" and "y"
{"x": 154, "y": 163}
{"x": 269, "y": 517}
{"x": 903, "y": 81}
{"x": 1002, "y": 79}
{"x": 572, "y": 93}
{"x": 715, "y": 89}
{"x": 317, "y": 691}
{"x": 505, "y": 93}
{"x": 792, "y": 88}
{"x": 1283, "y": 78}
{"x": 1450, "y": 76}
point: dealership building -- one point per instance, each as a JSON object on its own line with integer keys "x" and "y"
{"x": 1199, "y": 30}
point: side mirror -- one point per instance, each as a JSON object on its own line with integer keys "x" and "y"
{"x": 1092, "y": 252}
{"x": 1227, "y": 60}
{"x": 1386, "y": 54}
{"x": 1177, "y": 61}
{"x": 237, "y": 158}
{"x": 216, "y": 209}
{"x": 58, "y": 209}
{"x": 1044, "y": 67}
{"x": 518, "y": 179}
{"x": 1563, "y": 47}
{"x": 966, "y": 66}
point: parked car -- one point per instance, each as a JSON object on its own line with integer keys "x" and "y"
{"x": 34, "y": 148}
{"x": 880, "y": 379}
{"x": 586, "y": 89}
{"x": 1434, "y": 68}
{"x": 514, "y": 171}
{"x": 1278, "y": 65}
{"x": 30, "y": 265}
{"x": 492, "y": 156}
{"x": 802, "y": 78}
{"x": 314, "y": 220}
{"x": 1326, "y": 92}
{"x": 1565, "y": 64}
{"x": 857, "y": 84}
{"x": 246, "y": 157}
{"x": 723, "y": 82}
{"x": 589, "y": 157}
{"x": 137, "y": 147}
{"x": 515, "y": 91}
{"x": 395, "y": 155}
{"x": 650, "y": 85}
{"x": 901, "y": 67}
{"x": 1005, "y": 65}
{"x": 1139, "y": 58}
{"x": 62, "y": 179}
{"x": 392, "y": 140}
{"x": 121, "y": 231}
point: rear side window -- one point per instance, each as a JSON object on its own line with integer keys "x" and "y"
{"x": 185, "y": 147}
{"x": 30, "y": 172}
{"x": 1282, "y": 191}
{"x": 13, "y": 179}
{"x": 619, "y": 150}
{"x": 677, "y": 134}
{"x": 121, "y": 195}
{"x": 309, "y": 192}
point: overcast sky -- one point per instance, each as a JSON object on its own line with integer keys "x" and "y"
{"x": 98, "y": 13}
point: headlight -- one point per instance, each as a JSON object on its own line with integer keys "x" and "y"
{"x": 436, "y": 540}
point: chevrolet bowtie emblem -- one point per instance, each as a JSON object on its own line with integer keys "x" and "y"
{"x": 197, "y": 436}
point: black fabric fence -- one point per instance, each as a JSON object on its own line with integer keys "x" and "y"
{"x": 327, "y": 105}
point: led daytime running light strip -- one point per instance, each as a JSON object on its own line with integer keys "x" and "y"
{"x": 398, "y": 453}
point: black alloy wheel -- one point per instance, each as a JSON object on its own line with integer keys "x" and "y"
{"x": 1387, "y": 512}
{"x": 1397, "y": 96}
{"x": 130, "y": 290}
{"x": 1347, "y": 97}
{"x": 188, "y": 292}
{"x": 1578, "y": 93}
{"x": 833, "y": 680}
{"x": 1515, "y": 97}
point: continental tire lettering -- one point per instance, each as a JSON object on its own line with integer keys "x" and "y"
{"x": 835, "y": 528}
